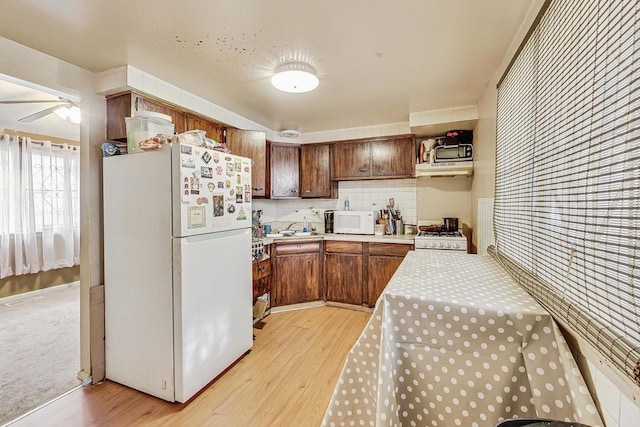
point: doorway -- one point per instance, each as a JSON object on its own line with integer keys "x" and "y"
{"x": 39, "y": 312}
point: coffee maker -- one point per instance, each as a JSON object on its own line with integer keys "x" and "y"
{"x": 328, "y": 221}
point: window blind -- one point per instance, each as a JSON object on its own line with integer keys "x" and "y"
{"x": 567, "y": 196}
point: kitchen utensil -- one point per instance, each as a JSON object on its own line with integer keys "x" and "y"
{"x": 431, "y": 228}
{"x": 398, "y": 226}
{"x": 328, "y": 221}
{"x": 450, "y": 224}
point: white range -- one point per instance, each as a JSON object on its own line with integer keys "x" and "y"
{"x": 439, "y": 240}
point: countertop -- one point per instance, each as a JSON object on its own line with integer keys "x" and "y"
{"x": 406, "y": 239}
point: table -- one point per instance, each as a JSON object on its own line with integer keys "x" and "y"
{"x": 455, "y": 341}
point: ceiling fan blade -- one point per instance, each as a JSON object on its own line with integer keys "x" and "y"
{"x": 31, "y": 102}
{"x": 40, "y": 114}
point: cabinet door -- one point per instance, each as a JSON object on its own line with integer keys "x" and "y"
{"x": 213, "y": 130}
{"x": 393, "y": 157}
{"x": 297, "y": 278}
{"x": 178, "y": 118}
{"x": 124, "y": 105}
{"x": 351, "y": 160}
{"x": 381, "y": 269}
{"x": 251, "y": 144}
{"x": 285, "y": 171}
{"x": 315, "y": 171}
{"x": 118, "y": 107}
{"x": 343, "y": 278}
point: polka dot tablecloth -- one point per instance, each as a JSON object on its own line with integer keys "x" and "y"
{"x": 454, "y": 341}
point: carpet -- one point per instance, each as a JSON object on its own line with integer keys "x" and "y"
{"x": 39, "y": 348}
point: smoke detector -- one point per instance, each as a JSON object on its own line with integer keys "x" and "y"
{"x": 289, "y": 133}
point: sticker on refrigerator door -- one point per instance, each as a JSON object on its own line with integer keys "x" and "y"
{"x": 211, "y": 186}
{"x": 206, "y": 157}
{"x": 195, "y": 185}
{"x": 238, "y": 165}
{"x": 247, "y": 193}
{"x": 231, "y": 209}
{"x": 241, "y": 215}
{"x": 206, "y": 171}
{"x": 185, "y": 149}
{"x": 239, "y": 194}
{"x": 218, "y": 205}
{"x": 196, "y": 217}
{"x": 188, "y": 162}
{"x": 219, "y": 170}
{"x": 202, "y": 201}
{"x": 186, "y": 189}
{"x": 229, "y": 169}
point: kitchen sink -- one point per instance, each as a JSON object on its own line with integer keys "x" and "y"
{"x": 289, "y": 234}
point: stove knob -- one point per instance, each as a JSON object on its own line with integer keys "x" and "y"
{"x": 433, "y": 244}
{"x": 440, "y": 245}
{"x": 456, "y": 246}
{"x": 448, "y": 245}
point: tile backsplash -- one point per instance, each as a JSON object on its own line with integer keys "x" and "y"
{"x": 363, "y": 195}
{"x": 375, "y": 194}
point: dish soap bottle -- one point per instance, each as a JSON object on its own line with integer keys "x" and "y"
{"x": 346, "y": 204}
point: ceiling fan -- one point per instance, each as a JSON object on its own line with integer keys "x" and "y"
{"x": 64, "y": 108}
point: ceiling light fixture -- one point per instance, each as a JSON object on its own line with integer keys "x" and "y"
{"x": 295, "y": 77}
{"x": 68, "y": 113}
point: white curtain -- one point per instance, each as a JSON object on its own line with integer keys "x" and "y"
{"x": 39, "y": 206}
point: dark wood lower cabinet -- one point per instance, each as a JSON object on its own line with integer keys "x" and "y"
{"x": 382, "y": 262}
{"x": 343, "y": 270}
{"x": 298, "y": 272}
{"x": 348, "y": 272}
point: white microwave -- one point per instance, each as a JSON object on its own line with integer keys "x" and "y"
{"x": 353, "y": 222}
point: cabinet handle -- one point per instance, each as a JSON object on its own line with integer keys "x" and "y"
{"x": 307, "y": 191}
{"x": 258, "y": 189}
{"x": 261, "y": 268}
{"x": 363, "y": 169}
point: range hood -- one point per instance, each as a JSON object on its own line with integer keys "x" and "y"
{"x": 444, "y": 169}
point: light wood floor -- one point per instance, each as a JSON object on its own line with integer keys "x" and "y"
{"x": 286, "y": 380}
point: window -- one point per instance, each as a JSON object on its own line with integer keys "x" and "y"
{"x": 567, "y": 199}
{"x": 39, "y": 206}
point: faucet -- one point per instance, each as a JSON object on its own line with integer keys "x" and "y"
{"x": 289, "y": 227}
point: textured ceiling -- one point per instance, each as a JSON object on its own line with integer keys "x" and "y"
{"x": 377, "y": 60}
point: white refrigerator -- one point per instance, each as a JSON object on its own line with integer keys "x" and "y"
{"x": 177, "y": 256}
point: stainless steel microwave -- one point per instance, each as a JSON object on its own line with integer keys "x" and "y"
{"x": 453, "y": 153}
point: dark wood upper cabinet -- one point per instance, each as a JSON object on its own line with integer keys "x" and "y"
{"x": 352, "y": 160}
{"x": 375, "y": 158}
{"x": 212, "y": 130}
{"x": 126, "y": 104}
{"x": 315, "y": 172}
{"x": 393, "y": 157}
{"x": 251, "y": 144}
{"x": 284, "y": 165}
